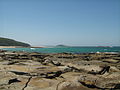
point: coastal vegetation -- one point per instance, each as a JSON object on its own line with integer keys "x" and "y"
{"x": 11, "y": 42}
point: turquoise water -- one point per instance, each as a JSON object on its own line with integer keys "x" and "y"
{"x": 68, "y": 50}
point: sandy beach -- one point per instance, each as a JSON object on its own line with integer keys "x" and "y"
{"x": 9, "y": 46}
{"x": 19, "y": 47}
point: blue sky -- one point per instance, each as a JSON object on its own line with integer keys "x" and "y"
{"x": 69, "y": 22}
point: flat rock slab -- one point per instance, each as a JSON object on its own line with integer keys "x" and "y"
{"x": 65, "y": 71}
{"x": 101, "y": 82}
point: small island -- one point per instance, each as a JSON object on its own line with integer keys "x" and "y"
{"x": 61, "y": 46}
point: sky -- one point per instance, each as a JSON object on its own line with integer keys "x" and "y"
{"x": 68, "y": 22}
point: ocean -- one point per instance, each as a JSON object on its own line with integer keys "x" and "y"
{"x": 67, "y": 49}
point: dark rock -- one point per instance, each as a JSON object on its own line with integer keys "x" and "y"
{"x": 104, "y": 69}
{"x": 56, "y": 63}
{"x": 20, "y": 73}
{"x": 13, "y": 81}
{"x": 52, "y": 75}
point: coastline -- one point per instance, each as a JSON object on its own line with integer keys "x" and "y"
{"x": 19, "y": 47}
{"x": 10, "y": 46}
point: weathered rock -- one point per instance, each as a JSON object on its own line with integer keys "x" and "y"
{"x": 63, "y": 71}
{"x": 13, "y": 81}
{"x": 99, "y": 82}
{"x": 102, "y": 71}
{"x": 72, "y": 85}
{"x": 56, "y": 63}
{"x": 111, "y": 61}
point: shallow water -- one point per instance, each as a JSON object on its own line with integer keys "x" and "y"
{"x": 67, "y": 49}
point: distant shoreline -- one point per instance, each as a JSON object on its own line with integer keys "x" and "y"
{"x": 53, "y": 46}
{"x": 18, "y": 47}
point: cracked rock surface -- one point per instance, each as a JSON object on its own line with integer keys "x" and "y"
{"x": 60, "y": 71}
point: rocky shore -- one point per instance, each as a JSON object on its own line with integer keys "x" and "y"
{"x": 60, "y": 71}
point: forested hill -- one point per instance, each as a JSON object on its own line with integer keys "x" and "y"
{"x": 11, "y": 42}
